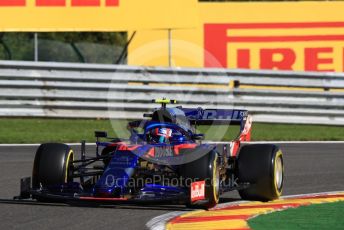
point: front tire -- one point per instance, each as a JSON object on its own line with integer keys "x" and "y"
{"x": 53, "y": 165}
{"x": 206, "y": 168}
{"x": 262, "y": 166}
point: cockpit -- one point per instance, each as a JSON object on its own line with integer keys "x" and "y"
{"x": 166, "y": 126}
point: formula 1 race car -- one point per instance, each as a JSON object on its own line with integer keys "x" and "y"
{"x": 165, "y": 159}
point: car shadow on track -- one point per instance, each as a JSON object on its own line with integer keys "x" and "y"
{"x": 167, "y": 207}
{"x": 90, "y": 205}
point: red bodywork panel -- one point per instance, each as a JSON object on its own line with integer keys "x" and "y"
{"x": 151, "y": 153}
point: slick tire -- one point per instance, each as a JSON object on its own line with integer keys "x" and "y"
{"x": 262, "y": 166}
{"x": 52, "y": 165}
{"x": 206, "y": 168}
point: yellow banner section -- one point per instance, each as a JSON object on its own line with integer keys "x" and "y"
{"x": 96, "y": 15}
{"x": 305, "y": 36}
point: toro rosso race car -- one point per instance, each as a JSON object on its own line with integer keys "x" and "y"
{"x": 164, "y": 159}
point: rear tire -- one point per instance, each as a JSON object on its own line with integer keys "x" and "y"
{"x": 52, "y": 165}
{"x": 205, "y": 168}
{"x": 261, "y": 165}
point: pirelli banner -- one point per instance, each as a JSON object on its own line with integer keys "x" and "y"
{"x": 305, "y": 36}
{"x": 96, "y": 15}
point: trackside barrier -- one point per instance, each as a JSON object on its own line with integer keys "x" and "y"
{"x": 40, "y": 89}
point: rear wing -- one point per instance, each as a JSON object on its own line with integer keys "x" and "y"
{"x": 222, "y": 117}
{"x": 201, "y": 116}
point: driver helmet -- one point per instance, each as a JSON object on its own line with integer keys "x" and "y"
{"x": 162, "y": 134}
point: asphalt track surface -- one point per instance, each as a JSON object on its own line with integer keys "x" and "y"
{"x": 310, "y": 168}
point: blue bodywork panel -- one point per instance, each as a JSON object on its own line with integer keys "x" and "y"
{"x": 117, "y": 174}
{"x": 152, "y": 191}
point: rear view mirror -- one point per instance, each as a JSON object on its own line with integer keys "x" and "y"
{"x": 100, "y": 134}
{"x": 198, "y": 137}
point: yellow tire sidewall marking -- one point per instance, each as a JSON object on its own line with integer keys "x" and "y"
{"x": 278, "y": 155}
{"x": 70, "y": 154}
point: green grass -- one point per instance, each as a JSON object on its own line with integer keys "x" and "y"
{"x": 319, "y": 216}
{"x": 32, "y": 130}
{"x": 16, "y": 130}
{"x": 285, "y": 132}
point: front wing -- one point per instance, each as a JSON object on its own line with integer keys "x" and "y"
{"x": 88, "y": 199}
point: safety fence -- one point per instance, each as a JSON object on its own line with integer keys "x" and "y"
{"x": 41, "y": 89}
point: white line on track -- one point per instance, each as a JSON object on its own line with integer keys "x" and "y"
{"x": 297, "y": 142}
{"x": 252, "y": 142}
{"x": 282, "y": 142}
{"x": 159, "y": 222}
{"x": 34, "y": 145}
{"x": 313, "y": 194}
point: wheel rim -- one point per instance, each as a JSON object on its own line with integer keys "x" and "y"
{"x": 216, "y": 181}
{"x": 279, "y": 172}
